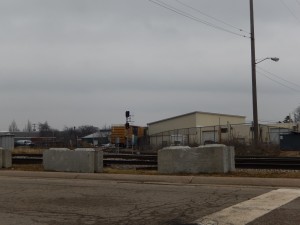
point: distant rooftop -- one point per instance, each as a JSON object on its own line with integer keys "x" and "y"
{"x": 195, "y": 112}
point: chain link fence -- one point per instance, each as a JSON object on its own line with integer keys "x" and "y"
{"x": 228, "y": 134}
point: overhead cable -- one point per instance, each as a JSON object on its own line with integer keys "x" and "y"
{"x": 282, "y": 84}
{"x": 185, "y": 14}
{"x": 211, "y": 17}
{"x": 278, "y": 77}
{"x": 290, "y": 11}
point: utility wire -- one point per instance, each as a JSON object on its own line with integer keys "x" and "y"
{"x": 291, "y": 88}
{"x": 278, "y": 77}
{"x": 291, "y": 12}
{"x": 185, "y": 14}
{"x": 211, "y": 17}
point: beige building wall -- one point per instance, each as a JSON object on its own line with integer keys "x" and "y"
{"x": 194, "y": 119}
{"x": 235, "y": 131}
{"x": 179, "y": 122}
{"x": 214, "y": 119}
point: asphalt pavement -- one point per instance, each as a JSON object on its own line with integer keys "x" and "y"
{"x": 187, "y": 179}
{"x": 63, "y": 198}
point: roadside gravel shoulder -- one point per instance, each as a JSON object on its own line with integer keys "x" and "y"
{"x": 248, "y": 178}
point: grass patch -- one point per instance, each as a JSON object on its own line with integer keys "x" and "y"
{"x": 26, "y": 150}
{"x": 129, "y": 171}
{"x": 258, "y": 173}
{"x": 27, "y": 167}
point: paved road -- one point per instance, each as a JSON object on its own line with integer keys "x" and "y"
{"x": 59, "y": 199}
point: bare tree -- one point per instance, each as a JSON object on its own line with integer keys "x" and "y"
{"x": 28, "y": 127}
{"x": 287, "y": 119}
{"x": 86, "y": 130}
{"x": 13, "y": 127}
{"x": 105, "y": 127}
{"x": 70, "y": 135}
{"x": 45, "y": 130}
{"x": 297, "y": 114}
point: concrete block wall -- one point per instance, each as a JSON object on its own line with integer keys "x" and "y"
{"x": 7, "y": 141}
{"x": 1, "y": 161}
{"x": 81, "y": 160}
{"x": 231, "y": 158}
{"x": 5, "y": 158}
{"x": 203, "y": 159}
{"x": 98, "y": 161}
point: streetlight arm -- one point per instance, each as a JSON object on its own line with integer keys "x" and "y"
{"x": 275, "y": 59}
{"x": 261, "y": 60}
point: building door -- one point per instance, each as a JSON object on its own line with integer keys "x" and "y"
{"x": 275, "y": 134}
{"x": 209, "y": 137}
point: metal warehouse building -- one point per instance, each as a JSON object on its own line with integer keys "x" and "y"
{"x": 196, "y": 127}
{"x": 194, "y": 119}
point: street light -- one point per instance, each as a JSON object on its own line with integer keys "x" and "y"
{"x": 253, "y": 68}
{"x": 254, "y": 94}
{"x": 275, "y": 59}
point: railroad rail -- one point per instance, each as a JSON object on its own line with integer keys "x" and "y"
{"x": 27, "y": 158}
{"x": 108, "y": 159}
{"x": 256, "y": 162}
{"x": 150, "y": 161}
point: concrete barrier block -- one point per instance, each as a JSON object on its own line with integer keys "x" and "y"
{"x": 98, "y": 161}
{"x": 80, "y": 160}
{"x": 6, "y": 158}
{"x": 231, "y": 158}
{"x": 7, "y": 141}
{"x": 203, "y": 159}
{"x": 1, "y": 160}
{"x": 167, "y": 159}
{"x": 220, "y": 157}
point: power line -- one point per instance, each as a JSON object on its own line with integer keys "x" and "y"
{"x": 279, "y": 82}
{"x": 280, "y": 78}
{"x": 185, "y": 14}
{"x": 291, "y": 88}
{"x": 211, "y": 17}
{"x": 290, "y": 11}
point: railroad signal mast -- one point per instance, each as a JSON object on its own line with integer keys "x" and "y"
{"x": 127, "y": 126}
{"x": 128, "y": 119}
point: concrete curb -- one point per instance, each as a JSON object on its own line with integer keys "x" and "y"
{"x": 172, "y": 179}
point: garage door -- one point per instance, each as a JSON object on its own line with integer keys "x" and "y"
{"x": 210, "y": 136}
{"x": 275, "y": 134}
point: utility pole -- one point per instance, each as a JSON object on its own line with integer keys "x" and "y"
{"x": 127, "y": 126}
{"x": 34, "y": 126}
{"x": 254, "y": 89}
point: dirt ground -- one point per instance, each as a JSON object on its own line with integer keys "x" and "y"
{"x": 263, "y": 173}
{"x": 26, "y": 150}
{"x": 289, "y": 154}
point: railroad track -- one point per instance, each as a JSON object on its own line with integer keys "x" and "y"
{"x": 254, "y": 162}
{"x": 27, "y": 158}
{"x": 150, "y": 161}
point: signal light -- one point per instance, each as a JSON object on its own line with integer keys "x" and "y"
{"x": 127, "y": 114}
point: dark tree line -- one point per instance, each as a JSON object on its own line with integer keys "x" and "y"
{"x": 67, "y": 137}
{"x": 296, "y": 115}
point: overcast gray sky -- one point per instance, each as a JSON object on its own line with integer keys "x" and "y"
{"x": 79, "y": 62}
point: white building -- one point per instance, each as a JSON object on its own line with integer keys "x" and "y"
{"x": 195, "y": 127}
{"x": 198, "y": 128}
